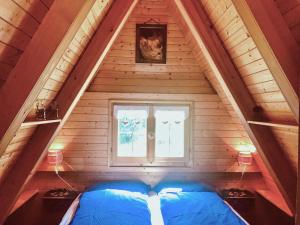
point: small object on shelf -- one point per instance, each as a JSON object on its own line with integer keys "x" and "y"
{"x": 54, "y": 110}
{"x": 243, "y": 201}
{"x": 60, "y": 194}
{"x": 236, "y": 193}
{"x": 40, "y": 112}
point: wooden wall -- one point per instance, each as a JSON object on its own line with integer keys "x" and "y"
{"x": 181, "y": 73}
{"x": 13, "y": 150}
{"x": 60, "y": 73}
{"x": 253, "y": 69}
{"x": 255, "y": 74}
{"x": 85, "y": 139}
{"x": 72, "y": 54}
{"x": 19, "y": 19}
{"x": 290, "y": 10}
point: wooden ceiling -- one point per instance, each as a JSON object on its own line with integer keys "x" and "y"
{"x": 261, "y": 68}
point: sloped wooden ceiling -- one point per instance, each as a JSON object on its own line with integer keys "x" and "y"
{"x": 256, "y": 75}
{"x": 55, "y": 82}
{"x": 73, "y": 88}
{"x": 290, "y": 10}
{"x": 214, "y": 149}
{"x": 19, "y": 19}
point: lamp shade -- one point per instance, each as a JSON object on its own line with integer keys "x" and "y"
{"x": 55, "y": 157}
{"x": 245, "y": 158}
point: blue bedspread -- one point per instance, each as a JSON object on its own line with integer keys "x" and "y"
{"x": 112, "y": 207}
{"x": 196, "y": 208}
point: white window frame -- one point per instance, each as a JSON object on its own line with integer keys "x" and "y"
{"x": 150, "y": 160}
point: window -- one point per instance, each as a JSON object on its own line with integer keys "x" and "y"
{"x": 152, "y": 134}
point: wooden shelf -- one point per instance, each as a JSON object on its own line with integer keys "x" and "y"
{"x": 38, "y": 122}
{"x": 272, "y": 124}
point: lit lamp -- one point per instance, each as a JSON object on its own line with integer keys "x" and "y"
{"x": 55, "y": 158}
{"x": 245, "y": 154}
{"x": 245, "y": 158}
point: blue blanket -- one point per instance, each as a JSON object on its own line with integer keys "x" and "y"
{"x": 196, "y": 208}
{"x": 112, "y": 207}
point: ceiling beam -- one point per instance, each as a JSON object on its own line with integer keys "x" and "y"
{"x": 236, "y": 91}
{"x": 276, "y": 43}
{"x": 20, "y": 90}
{"x": 69, "y": 95}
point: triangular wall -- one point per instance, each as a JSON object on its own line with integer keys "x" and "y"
{"x": 85, "y": 138}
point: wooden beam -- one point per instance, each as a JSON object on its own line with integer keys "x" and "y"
{"x": 276, "y": 43}
{"x": 67, "y": 98}
{"x": 236, "y": 91}
{"x": 20, "y": 90}
{"x": 297, "y": 216}
{"x": 272, "y": 124}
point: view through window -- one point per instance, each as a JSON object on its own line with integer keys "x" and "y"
{"x": 151, "y": 133}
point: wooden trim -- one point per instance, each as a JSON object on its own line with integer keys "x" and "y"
{"x": 275, "y": 42}
{"x": 239, "y": 96}
{"x": 149, "y": 160}
{"x": 271, "y": 124}
{"x": 28, "y": 77}
{"x": 67, "y": 98}
{"x": 38, "y": 122}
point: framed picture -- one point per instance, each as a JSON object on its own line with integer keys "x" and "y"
{"x": 151, "y": 43}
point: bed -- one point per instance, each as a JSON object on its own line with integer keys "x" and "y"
{"x": 111, "y": 203}
{"x": 129, "y": 203}
{"x": 192, "y": 203}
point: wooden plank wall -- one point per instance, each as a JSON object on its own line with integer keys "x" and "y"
{"x": 19, "y": 19}
{"x": 181, "y": 73}
{"x": 59, "y": 75}
{"x": 13, "y": 150}
{"x": 72, "y": 54}
{"x": 81, "y": 180}
{"x": 86, "y": 140}
{"x": 290, "y": 10}
{"x": 253, "y": 69}
{"x": 256, "y": 76}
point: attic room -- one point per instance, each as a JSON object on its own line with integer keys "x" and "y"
{"x": 140, "y": 112}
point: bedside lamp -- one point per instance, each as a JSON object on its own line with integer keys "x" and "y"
{"x": 245, "y": 158}
{"x": 245, "y": 154}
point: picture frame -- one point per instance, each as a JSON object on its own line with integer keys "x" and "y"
{"x": 151, "y": 43}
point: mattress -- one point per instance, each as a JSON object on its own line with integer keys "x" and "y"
{"x": 197, "y": 208}
{"x": 132, "y": 206}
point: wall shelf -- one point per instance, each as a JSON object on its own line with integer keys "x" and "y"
{"x": 272, "y": 124}
{"x": 39, "y": 122}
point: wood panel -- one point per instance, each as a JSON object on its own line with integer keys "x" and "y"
{"x": 243, "y": 51}
{"x": 230, "y": 82}
{"x": 290, "y": 10}
{"x": 14, "y": 148}
{"x": 249, "y": 61}
{"x": 181, "y": 74}
{"x": 55, "y": 82}
{"x": 19, "y": 20}
{"x": 71, "y": 55}
{"x": 86, "y": 136}
{"x": 68, "y": 97}
{"x": 81, "y": 180}
{"x": 251, "y": 65}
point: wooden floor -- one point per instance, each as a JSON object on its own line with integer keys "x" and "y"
{"x": 37, "y": 211}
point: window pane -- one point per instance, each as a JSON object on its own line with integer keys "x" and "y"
{"x": 169, "y": 131}
{"x": 132, "y": 131}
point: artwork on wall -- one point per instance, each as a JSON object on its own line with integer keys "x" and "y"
{"x": 151, "y": 43}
